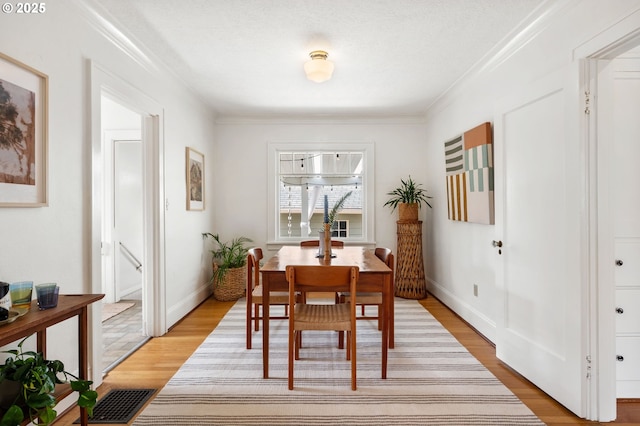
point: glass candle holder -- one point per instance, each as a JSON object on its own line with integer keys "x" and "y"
{"x": 21, "y": 294}
{"x": 47, "y": 295}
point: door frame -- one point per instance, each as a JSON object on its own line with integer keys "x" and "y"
{"x": 601, "y": 294}
{"x": 103, "y": 82}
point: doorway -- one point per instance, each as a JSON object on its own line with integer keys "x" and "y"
{"x": 603, "y": 125}
{"x": 123, "y": 228}
{"x": 147, "y": 116}
{"x": 616, "y": 80}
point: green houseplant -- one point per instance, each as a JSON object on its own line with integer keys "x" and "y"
{"x": 229, "y": 272}
{"x": 34, "y": 379}
{"x": 337, "y": 207}
{"x": 408, "y": 198}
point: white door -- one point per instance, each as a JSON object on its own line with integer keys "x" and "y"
{"x": 619, "y": 204}
{"x": 539, "y": 313}
{"x": 127, "y": 224}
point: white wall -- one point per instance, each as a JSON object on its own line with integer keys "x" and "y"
{"x": 241, "y": 168}
{"x": 53, "y": 243}
{"x": 464, "y": 250}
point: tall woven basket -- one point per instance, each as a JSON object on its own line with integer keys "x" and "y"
{"x": 232, "y": 286}
{"x": 410, "y": 280}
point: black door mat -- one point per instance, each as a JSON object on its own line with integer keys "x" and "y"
{"x": 119, "y": 405}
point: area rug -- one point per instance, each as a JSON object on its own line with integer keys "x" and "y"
{"x": 432, "y": 380}
{"x": 110, "y": 310}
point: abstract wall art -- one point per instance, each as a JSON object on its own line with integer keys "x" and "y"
{"x": 469, "y": 169}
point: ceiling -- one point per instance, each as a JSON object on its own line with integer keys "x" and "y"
{"x": 392, "y": 57}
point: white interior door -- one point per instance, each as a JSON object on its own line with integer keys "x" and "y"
{"x": 127, "y": 224}
{"x": 539, "y": 314}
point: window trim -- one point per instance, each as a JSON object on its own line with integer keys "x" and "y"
{"x": 368, "y": 213}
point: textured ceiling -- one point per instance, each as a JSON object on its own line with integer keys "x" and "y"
{"x": 392, "y": 57}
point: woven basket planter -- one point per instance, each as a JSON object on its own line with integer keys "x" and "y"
{"x": 408, "y": 212}
{"x": 232, "y": 286}
{"x": 410, "y": 280}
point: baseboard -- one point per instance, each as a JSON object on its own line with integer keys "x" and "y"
{"x": 483, "y": 324}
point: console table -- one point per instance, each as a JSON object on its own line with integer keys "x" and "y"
{"x": 409, "y": 279}
{"x": 36, "y": 321}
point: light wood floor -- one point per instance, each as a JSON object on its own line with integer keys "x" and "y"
{"x": 156, "y": 362}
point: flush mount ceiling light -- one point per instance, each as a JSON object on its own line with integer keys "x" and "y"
{"x": 318, "y": 69}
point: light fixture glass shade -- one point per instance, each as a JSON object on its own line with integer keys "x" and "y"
{"x": 318, "y": 69}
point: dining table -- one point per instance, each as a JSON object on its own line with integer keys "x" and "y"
{"x": 374, "y": 276}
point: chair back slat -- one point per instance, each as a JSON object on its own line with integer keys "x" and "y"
{"x": 316, "y": 243}
{"x": 254, "y": 256}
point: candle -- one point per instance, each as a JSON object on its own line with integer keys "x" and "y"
{"x": 326, "y": 209}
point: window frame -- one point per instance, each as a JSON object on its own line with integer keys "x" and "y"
{"x": 337, "y": 229}
{"x": 368, "y": 207}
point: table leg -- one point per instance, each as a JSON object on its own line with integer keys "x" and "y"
{"x": 83, "y": 358}
{"x": 41, "y": 342}
{"x": 392, "y": 313}
{"x": 265, "y": 326}
{"x": 386, "y": 299}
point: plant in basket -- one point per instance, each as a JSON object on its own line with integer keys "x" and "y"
{"x": 229, "y": 272}
{"x": 408, "y": 198}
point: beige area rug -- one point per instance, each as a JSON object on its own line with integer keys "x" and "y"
{"x": 110, "y": 310}
{"x": 432, "y": 380}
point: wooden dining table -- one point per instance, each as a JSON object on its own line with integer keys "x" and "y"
{"x": 374, "y": 276}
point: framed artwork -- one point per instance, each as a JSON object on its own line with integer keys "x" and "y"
{"x": 23, "y": 134}
{"x": 195, "y": 180}
{"x": 469, "y": 167}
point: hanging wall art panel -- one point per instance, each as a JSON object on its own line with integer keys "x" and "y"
{"x": 23, "y": 135}
{"x": 469, "y": 169}
{"x": 195, "y": 180}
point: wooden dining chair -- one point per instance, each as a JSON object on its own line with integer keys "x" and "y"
{"x": 316, "y": 243}
{"x": 370, "y": 299}
{"x": 254, "y": 295}
{"x": 330, "y": 317}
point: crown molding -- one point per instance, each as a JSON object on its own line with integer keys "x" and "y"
{"x": 100, "y": 20}
{"x": 512, "y": 43}
{"x": 96, "y": 17}
{"x": 343, "y": 119}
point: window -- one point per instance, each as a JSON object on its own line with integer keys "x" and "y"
{"x": 302, "y": 175}
{"x": 340, "y": 229}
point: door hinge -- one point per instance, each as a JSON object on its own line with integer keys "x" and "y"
{"x": 588, "y": 364}
{"x": 587, "y": 102}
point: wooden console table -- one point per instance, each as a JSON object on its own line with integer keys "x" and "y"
{"x": 37, "y": 322}
{"x": 409, "y": 280}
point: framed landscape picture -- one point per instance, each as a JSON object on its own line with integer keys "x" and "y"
{"x": 23, "y": 135}
{"x": 195, "y": 180}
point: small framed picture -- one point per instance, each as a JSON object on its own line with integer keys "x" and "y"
{"x": 23, "y": 134}
{"x": 195, "y": 180}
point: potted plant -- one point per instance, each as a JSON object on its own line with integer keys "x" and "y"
{"x": 229, "y": 272}
{"x": 337, "y": 207}
{"x": 408, "y": 198}
{"x": 32, "y": 380}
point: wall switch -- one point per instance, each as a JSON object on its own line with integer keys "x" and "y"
{"x": 475, "y": 290}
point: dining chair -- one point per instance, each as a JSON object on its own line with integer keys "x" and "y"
{"x": 254, "y": 294}
{"x": 330, "y": 317}
{"x": 369, "y": 298}
{"x": 316, "y": 243}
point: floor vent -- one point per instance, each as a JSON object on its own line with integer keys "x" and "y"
{"x": 119, "y": 405}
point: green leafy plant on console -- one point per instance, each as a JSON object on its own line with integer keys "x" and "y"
{"x": 34, "y": 379}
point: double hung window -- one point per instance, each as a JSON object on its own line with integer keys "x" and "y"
{"x": 301, "y": 178}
